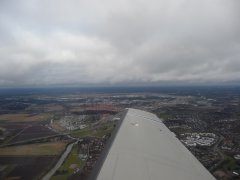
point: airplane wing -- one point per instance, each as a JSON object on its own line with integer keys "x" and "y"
{"x": 143, "y": 148}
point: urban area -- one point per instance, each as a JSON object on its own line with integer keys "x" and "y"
{"x": 65, "y": 133}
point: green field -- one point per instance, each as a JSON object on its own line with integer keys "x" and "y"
{"x": 163, "y": 116}
{"x": 94, "y": 132}
{"x": 65, "y": 171}
{"x": 230, "y": 163}
{"x": 82, "y": 133}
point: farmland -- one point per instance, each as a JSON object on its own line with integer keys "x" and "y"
{"x": 20, "y": 162}
{"x": 25, "y": 167}
{"x": 99, "y": 132}
{"x": 35, "y": 130}
{"x": 24, "y": 118}
{"x": 49, "y": 148}
{"x": 32, "y": 132}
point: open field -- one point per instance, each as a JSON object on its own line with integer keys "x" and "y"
{"x": 26, "y": 167}
{"x": 65, "y": 170}
{"x": 46, "y": 108}
{"x": 102, "y": 131}
{"x": 57, "y": 127}
{"x": 13, "y": 126}
{"x": 51, "y": 148}
{"x": 12, "y": 129}
{"x": 163, "y": 116}
{"x": 230, "y": 163}
{"x": 82, "y": 132}
{"x": 95, "y": 132}
{"x": 15, "y": 118}
{"x": 32, "y": 132}
{"x": 92, "y": 133}
{"x": 53, "y": 107}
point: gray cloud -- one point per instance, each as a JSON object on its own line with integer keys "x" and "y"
{"x": 119, "y": 42}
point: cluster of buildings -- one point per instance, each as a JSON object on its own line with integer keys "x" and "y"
{"x": 73, "y": 122}
{"x": 206, "y": 156}
{"x": 230, "y": 146}
{"x": 90, "y": 149}
{"x": 227, "y": 145}
{"x": 200, "y": 139}
{"x": 237, "y": 157}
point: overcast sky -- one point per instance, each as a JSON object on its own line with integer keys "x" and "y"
{"x": 96, "y": 42}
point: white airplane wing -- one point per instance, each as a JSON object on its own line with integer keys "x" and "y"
{"x": 143, "y": 148}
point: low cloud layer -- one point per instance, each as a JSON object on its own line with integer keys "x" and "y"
{"x": 125, "y": 42}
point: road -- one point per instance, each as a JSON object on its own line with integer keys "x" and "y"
{"x": 60, "y": 162}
